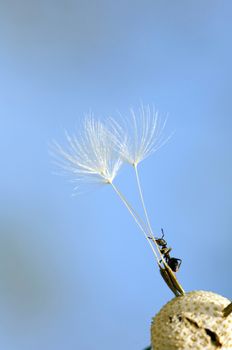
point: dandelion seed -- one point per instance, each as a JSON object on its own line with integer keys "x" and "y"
{"x": 89, "y": 156}
{"x": 93, "y": 157}
{"x": 137, "y": 137}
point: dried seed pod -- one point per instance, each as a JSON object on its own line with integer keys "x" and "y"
{"x": 193, "y": 321}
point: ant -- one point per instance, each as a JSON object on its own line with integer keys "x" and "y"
{"x": 173, "y": 263}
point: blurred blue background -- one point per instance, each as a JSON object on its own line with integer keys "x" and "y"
{"x": 75, "y": 272}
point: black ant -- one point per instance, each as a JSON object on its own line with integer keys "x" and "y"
{"x": 173, "y": 263}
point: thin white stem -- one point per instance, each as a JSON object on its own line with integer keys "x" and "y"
{"x": 135, "y": 217}
{"x": 145, "y": 209}
{"x": 177, "y": 287}
{"x": 142, "y": 199}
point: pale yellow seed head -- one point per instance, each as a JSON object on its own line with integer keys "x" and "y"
{"x": 193, "y": 321}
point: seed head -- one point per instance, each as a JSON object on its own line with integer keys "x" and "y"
{"x": 193, "y": 321}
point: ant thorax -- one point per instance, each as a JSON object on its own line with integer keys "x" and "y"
{"x": 172, "y": 262}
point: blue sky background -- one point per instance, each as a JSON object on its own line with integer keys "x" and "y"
{"x": 75, "y": 272}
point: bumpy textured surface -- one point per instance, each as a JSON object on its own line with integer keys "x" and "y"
{"x": 193, "y": 321}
